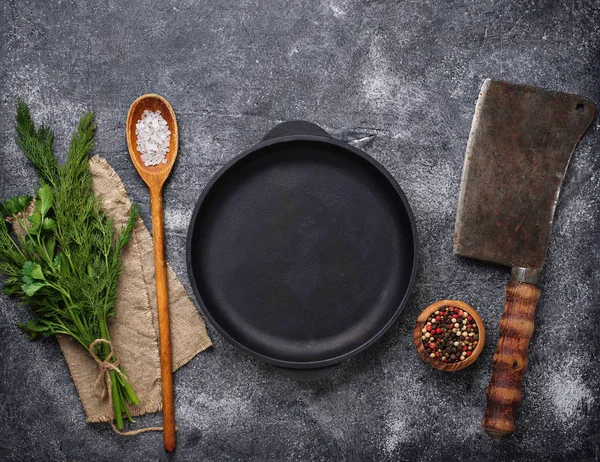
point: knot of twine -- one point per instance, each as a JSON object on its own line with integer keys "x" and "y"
{"x": 104, "y": 376}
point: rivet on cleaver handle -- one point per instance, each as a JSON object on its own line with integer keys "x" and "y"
{"x": 518, "y": 151}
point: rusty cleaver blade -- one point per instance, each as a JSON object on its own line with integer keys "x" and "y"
{"x": 518, "y": 151}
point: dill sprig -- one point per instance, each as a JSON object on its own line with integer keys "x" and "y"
{"x": 63, "y": 260}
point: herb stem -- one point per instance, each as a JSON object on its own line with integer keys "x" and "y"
{"x": 69, "y": 260}
{"x": 18, "y": 249}
{"x": 116, "y": 399}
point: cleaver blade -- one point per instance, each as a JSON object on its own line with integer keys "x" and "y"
{"x": 519, "y": 148}
{"x": 518, "y": 151}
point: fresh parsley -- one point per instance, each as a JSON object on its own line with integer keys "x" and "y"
{"x": 59, "y": 251}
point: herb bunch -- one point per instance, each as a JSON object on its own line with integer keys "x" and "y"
{"x": 61, "y": 254}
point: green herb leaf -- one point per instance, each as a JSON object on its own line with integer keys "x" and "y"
{"x": 14, "y": 205}
{"x": 32, "y": 288}
{"x": 46, "y": 199}
{"x": 35, "y": 329}
{"x": 50, "y": 246}
{"x": 36, "y": 144}
{"x": 10, "y": 290}
{"x": 36, "y": 222}
{"x": 27, "y": 279}
{"x": 31, "y": 271}
{"x": 11, "y": 286}
{"x": 37, "y": 273}
{"x": 27, "y": 268}
{"x": 48, "y": 224}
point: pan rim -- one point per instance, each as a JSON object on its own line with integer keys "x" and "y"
{"x": 353, "y": 150}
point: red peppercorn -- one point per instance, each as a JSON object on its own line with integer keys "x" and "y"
{"x": 469, "y": 318}
{"x": 469, "y": 353}
{"x": 438, "y": 331}
{"x": 464, "y": 347}
{"x": 432, "y": 345}
{"x": 428, "y": 328}
{"x": 460, "y": 312}
{"x": 437, "y": 318}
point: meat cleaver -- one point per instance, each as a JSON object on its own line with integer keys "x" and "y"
{"x": 519, "y": 147}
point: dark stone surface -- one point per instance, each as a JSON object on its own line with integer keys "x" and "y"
{"x": 400, "y": 79}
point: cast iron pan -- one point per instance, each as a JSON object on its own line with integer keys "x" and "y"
{"x": 302, "y": 250}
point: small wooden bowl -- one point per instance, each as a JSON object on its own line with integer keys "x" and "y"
{"x": 422, "y": 320}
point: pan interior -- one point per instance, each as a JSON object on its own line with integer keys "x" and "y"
{"x": 301, "y": 251}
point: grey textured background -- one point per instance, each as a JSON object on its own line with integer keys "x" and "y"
{"x": 398, "y": 78}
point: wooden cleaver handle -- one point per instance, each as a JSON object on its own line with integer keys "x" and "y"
{"x": 510, "y": 359}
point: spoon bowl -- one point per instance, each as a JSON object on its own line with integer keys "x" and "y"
{"x": 153, "y": 175}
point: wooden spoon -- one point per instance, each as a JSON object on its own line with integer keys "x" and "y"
{"x": 155, "y": 177}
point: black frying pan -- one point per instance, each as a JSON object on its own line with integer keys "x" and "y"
{"x": 302, "y": 250}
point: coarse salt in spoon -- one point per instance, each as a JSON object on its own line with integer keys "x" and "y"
{"x": 155, "y": 176}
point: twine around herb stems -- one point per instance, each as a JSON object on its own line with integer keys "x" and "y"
{"x": 104, "y": 375}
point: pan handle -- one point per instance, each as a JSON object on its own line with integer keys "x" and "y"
{"x": 295, "y": 127}
{"x": 307, "y": 375}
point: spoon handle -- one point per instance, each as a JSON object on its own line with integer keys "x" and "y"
{"x": 164, "y": 327}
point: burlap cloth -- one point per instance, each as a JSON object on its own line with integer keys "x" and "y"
{"x": 134, "y": 330}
